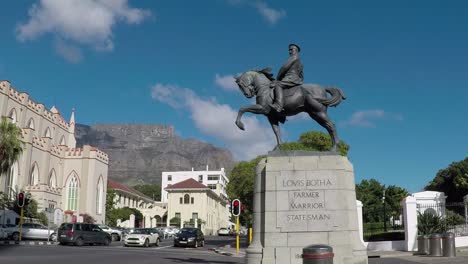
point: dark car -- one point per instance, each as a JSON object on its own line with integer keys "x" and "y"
{"x": 192, "y": 237}
{"x": 80, "y": 233}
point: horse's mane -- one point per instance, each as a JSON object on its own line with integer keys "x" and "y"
{"x": 267, "y": 72}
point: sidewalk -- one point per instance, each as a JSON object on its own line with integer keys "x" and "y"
{"x": 378, "y": 257}
{"x": 28, "y": 243}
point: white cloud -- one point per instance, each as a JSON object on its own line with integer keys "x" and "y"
{"x": 367, "y": 118}
{"x": 269, "y": 14}
{"x": 227, "y": 82}
{"x": 217, "y": 120}
{"x": 69, "y": 52}
{"x": 86, "y": 22}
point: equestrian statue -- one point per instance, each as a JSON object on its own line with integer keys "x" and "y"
{"x": 288, "y": 96}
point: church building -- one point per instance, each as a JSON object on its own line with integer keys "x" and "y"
{"x": 66, "y": 181}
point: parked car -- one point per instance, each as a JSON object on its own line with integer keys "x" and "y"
{"x": 170, "y": 231}
{"x": 31, "y": 231}
{"x": 81, "y": 233}
{"x": 223, "y": 232}
{"x": 142, "y": 237}
{"x": 115, "y": 233}
{"x": 189, "y": 236}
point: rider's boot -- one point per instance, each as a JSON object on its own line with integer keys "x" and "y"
{"x": 278, "y": 104}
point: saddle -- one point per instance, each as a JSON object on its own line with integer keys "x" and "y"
{"x": 291, "y": 91}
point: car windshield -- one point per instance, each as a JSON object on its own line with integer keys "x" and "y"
{"x": 66, "y": 226}
{"x": 188, "y": 231}
{"x": 142, "y": 231}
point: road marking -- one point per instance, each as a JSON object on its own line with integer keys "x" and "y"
{"x": 163, "y": 247}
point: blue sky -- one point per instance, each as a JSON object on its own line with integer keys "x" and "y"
{"x": 402, "y": 64}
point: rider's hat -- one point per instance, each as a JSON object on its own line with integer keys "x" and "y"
{"x": 295, "y": 45}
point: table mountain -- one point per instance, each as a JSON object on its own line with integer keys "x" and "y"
{"x": 138, "y": 153}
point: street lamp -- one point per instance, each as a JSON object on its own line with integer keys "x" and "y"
{"x": 384, "y": 211}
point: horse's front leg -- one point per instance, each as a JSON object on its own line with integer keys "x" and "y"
{"x": 254, "y": 109}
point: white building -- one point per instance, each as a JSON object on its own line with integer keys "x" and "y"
{"x": 209, "y": 178}
{"x": 154, "y": 213}
{"x": 63, "y": 179}
{"x": 189, "y": 200}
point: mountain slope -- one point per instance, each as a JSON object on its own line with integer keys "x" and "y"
{"x": 139, "y": 153}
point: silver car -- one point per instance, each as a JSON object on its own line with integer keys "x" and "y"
{"x": 32, "y": 231}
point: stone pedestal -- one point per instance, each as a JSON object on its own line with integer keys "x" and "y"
{"x": 303, "y": 198}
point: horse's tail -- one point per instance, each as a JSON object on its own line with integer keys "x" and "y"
{"x": 337, "y": 96}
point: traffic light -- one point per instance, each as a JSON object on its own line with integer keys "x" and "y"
{"x": 21, "y": 199}
{"x": 236, "y": 207}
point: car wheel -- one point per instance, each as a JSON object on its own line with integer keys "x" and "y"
{"x": 53, "y": 237}
{"x": 157, "y": 242}
{"x": 107, "y": 241}
{"x": 79, "y": 242}
{"x": 175, "y": 245}
{"x": 146, "y": 243}
{"x": 15, "y": 236}
{"x": 196, "y": 244}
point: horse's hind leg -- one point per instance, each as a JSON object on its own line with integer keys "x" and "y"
{"x": 276, "y": 129}
{"x": 318, "y": 112}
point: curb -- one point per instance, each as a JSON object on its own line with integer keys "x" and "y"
{"x": 29, "y": 243}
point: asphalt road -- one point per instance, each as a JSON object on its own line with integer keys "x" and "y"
{"x": 117, "y": 254}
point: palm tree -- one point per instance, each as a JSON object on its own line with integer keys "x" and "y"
{"x": 10, "y": 145}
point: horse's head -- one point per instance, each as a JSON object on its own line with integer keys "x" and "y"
{"x": 245, "y": 83}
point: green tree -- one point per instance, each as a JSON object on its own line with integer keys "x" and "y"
{"x": 453, "y": 181}
{"x": 150, "y": 190}
{"x": 10, "y": 145}
{"x": 240, "y": 186}
{"x": 370, "y": 193}
{"x": 315, "y": 141}
{"x": 30, "y": 210}
{"x": 110, "y": 203}
{"x": 175, "y": 221}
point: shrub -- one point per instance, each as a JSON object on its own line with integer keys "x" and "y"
{"x": 430, "y": 223}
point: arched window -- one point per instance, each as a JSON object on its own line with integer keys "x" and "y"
{"x": 34, "y": 178}
{"x": 99, "y": 196}
{"x": 12, "y": 115}
{"x": 47, "y": 133}
{"x": 186, "y": 199}
{"x": 72, "y": 193}
{"x": 31, "y": 123}
{"x": 13, "y": 179}
{"x": 62, "y": 141}
{"x": 52, "y": 179}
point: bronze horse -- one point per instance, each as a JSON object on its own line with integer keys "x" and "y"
{"x": 309, "y": 98}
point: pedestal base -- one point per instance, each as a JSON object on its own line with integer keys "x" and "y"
{"x": 301, "y": 199}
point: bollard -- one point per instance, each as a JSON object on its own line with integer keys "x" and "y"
{"x": 317, "y": 254}
{"x": 423, "y": 245}
{"x": 448, "y": 245}
{"x": 435, "y": 245}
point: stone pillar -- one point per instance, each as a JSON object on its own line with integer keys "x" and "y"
{"x": 254, "y": 251}
{"x": 411, "y": 223}
{"x": 360, "y": 222}
{"x": 132, "y": 221}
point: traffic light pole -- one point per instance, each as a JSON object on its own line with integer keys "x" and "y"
{"x": 237, "y": 234}
{"x": 21, "y": 223}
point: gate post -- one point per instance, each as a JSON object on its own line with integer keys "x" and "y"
{"x": 411, "y": 222}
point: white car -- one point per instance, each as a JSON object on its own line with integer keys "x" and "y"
{"x": 116, "y": 234}
{"x": 31, "y": 231}
{"x": 143, "y": 237}
{"x": 223, "y": 232}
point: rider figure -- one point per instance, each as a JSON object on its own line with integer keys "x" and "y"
{"x": 290, "y": 75}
